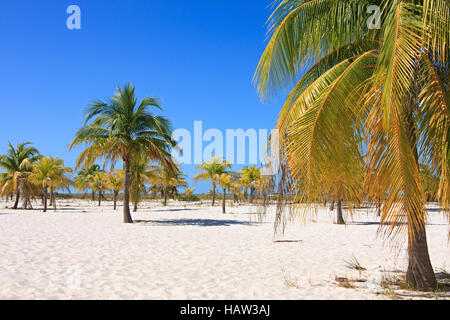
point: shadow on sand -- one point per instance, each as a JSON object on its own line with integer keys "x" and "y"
{"x": 196, "y": 222}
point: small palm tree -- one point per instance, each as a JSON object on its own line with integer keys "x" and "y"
{"x": 188, "y": 192}
{"x": 60, "y": 178}
{"x": 42, "y": 175}
{"x": 224, "y": 180}
{"x": 123, "y": 129}
{"x": 249, "y": 178}
{"x": 141, "y": 174}
{"x": 100, "y": 182}
{"x": 211, "y": 168}
{"x": 116, "y": 183}
{"x": 18, "y": 163}
{"x": 164, "y": 180}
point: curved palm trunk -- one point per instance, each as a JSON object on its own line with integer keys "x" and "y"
{"x": 214, "y": 194}
{"x": 420, "y": 272}
{"x": 339, "y": 216}
{"x": 16, "y": 203}
{"x": 126, "y": 193}
{"x": 223, "y": 200}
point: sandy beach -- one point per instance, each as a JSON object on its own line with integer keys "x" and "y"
{"x": 193, "y": 251}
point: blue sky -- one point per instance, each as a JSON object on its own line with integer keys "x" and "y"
{"x": 198, "y": 57}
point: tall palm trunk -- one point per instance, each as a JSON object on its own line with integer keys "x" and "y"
{"x": 214, "y": 194}
{"x": 99, "y": 198}
{"x": 420, "y": 272}
{"x": 52, "y": 198}
{"x": 332, "y": 205}
{"x": 252, "y": 194}
{"x": 135, "y": 206}
{"x": 45, "y": 199}
{"x": 115, "y": 200}
{"x": 126, "y": 193}
{"x": 16, "y": 203}
{"x": 93, "y": 195}
{"x": 339, "y": 216}
{"x": 165, "y": 196}
{"x": 223, "y": 200}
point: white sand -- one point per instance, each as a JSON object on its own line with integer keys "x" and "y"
{"x": 83, "y": 252}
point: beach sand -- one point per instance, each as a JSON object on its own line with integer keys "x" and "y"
{"x": 192, "y": 251}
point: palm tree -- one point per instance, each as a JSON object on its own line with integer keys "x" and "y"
{"x": 100, "y": 182}
{"x": 121, "y": 129}
{"x": 188, "y": 193}
{"x": 249, "y": 178}
{"x": 141, "y": 174}
{"x": 224, "y": 180}
{"x": 116, "y": 183}
{"x": 18, "y": 163}
{"x": 82, "y": 182}
{"x": 164, "y": 180}
{"x": 43, "y": 173}
{"x": 211, "y": 168}
{"x": 59, "y": 179}
{"x": 389, "y": 85}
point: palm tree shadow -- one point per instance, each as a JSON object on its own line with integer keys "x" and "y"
{"x": 175, "y": 210}
{"x": 196, "y": 222}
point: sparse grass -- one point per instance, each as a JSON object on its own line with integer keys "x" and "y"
{"x": 289, "y": 281}
{"x": 354, "y": 264}
{"x": 345, "y": 283}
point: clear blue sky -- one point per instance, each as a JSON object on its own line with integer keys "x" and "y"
{"x": 197, "y": 56}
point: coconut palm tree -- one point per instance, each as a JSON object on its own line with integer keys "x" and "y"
{"x": 164, "y": 180}
{"x": 18, "y": 163}
{"x": 387, "y": 83}
{"x": 59, "y": 179}
{"x": 224, "y": 180}
{"x": 249, "y": 178}
{"x": 141, "y": 174}
{"x": 120, "y": 129}
{"x": 100, "y": 182}
{"x": 42, "y": 175}
{"x": 211, "y": 168}
{"x": 116, "y": 183}
{"x": 82, "y": 182}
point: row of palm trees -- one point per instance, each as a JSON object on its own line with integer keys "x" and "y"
{"x": 218, "y": 171}
{"x": 29, "y": 174}
{"x": 371, "y": 106}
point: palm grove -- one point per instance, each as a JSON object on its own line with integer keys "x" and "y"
{"x": 370, "y": 110}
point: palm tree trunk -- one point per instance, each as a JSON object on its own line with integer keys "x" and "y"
{"x": 252, "y": 194}
{"x": 165, "y": 197}
{"x": 16, "y": 203}
{"x": 214, "y": 194}
{"x": 45, "y": 199}
{"x": 339, "y": 217}
{"x": 332, "y": 205}
{"x": 420, "y": 272}
{"x": 115, "y": 200}
{"x": 126, "y": 193}
{"x": 99, "y": 198}
{"x": 52, "y": 198}
{"x": 93, "y": 195}
{"x": 223, "y": 200}
{"x": 135, "y": 208}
